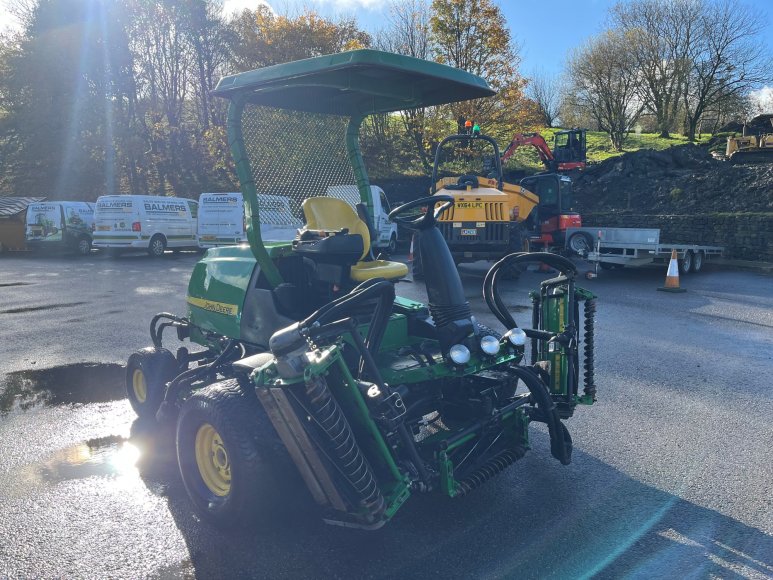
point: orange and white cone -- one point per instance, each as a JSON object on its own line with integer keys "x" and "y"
{"x": 672, "y": 276}
{"x": 410, "y": 252}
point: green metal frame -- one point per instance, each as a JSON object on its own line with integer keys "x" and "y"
{"x": 352, "y": 84}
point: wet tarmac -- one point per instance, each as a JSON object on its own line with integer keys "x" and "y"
{"x": 671, "y": 474}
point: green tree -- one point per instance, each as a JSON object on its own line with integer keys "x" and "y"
{"x": 473, "y": 35}
{"x": 67, "y": 88}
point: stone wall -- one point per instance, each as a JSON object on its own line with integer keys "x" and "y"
{"x": 745, "y": 236}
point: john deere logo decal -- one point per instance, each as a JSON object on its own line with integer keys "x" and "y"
{"x": 219, "y": 307}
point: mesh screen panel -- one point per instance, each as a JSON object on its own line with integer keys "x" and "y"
{"x": 295, "y": 155}
{"x": 467, "y": 157}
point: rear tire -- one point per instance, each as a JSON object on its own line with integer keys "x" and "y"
{"x": 147, "y": 372}
{"x": 685, "y": 264}
{"x": 697, "y": 261}
{"x": 157, "y": 246}
{"x": 227, "y": 451}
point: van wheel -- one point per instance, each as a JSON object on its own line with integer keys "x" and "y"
{"x": 157, "y": 246}
{"x": 84, "y": 246}
{"x": 392, "y": 247}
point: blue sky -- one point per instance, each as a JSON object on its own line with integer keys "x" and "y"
{"x": 547, "y": 29}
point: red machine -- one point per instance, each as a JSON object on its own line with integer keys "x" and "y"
{"x": 569, "y": 149}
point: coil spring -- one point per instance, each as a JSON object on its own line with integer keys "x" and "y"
{"x": 345, "y": 451}
{"x": 492, "y": 467}
{"x": 443, "y": 315}
{"x": 590, "y": 321}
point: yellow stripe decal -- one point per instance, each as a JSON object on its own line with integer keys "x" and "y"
{"x": 219, "y": 307}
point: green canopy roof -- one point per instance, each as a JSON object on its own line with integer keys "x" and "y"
{"x": 353, "y": 83}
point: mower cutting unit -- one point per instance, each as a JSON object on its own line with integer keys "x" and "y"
{"x": 311, "y": 362}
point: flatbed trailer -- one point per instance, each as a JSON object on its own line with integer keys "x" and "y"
{"x": 613, "y": 248}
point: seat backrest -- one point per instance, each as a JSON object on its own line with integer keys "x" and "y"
{"x": 331, "y": 214}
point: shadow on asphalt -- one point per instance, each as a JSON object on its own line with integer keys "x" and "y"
{"x": 538, "y": 519}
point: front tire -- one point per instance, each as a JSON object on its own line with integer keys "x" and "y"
{"x": 157, "y": 246}
{"x": 225, "y": 455}
{"x": 84, "y": 246}
{"x": 147, "y": 372}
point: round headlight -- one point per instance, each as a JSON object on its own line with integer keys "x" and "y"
{"x": 460, "y": 354}
{"x": 489, "y": 344}
{"x": 517, "y": 337}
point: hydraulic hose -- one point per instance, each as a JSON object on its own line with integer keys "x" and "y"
{"x": 560, "y": 440}
{"x": 490, "y": 283}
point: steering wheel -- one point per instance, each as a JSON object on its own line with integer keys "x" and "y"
{"x": 464, "y": 181}
{"x": 426, "y": 221}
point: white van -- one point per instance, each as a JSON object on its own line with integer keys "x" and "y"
{"x": 221, "y": 220}
{"x": 145, "y": 222}
{"x": 222, "y": 223}
{"x": 387, "y": 230}
{"x": 60, "y": 225}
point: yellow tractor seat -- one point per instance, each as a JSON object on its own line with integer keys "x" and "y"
{"x": 333, "y": 215}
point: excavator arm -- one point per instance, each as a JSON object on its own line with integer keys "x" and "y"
{"x": 535, "y": 140}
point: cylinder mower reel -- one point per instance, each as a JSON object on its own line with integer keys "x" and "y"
{"x": 309, "y": 378}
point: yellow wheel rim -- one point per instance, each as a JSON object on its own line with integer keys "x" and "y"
{"x": 139, "y": 385}
{"x": 212, "y": 460}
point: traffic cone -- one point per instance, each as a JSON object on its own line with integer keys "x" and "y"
{"x": 410, "y": 252}
{"x": 672, "y": 276}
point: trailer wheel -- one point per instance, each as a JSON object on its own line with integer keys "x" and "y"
{"x": 685, "y": 264}
{"x": 580, "y": 243}
{"x": 157, "y": 246}
{"x": 227, "y": 453}
{"x": 697, "y": 261}
{"x": 147, "y": 372}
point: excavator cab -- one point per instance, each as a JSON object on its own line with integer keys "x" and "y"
{"x": 569, "y": 147}
{"x": 554, "y": 214}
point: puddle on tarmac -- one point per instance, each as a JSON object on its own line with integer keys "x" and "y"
{"x": 79, "y": 383}
{"x": 149, "y": 453}
{"x": 106, "y": 456}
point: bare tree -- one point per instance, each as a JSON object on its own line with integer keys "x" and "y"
{"x": 726, "y": 58}
{"x": 545, "y": 90}
{"x": 604, "y": 79}
{"x": 407, "y": 32}
{"x": 660, "y": 34}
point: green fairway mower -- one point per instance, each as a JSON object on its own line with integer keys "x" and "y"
{"x": 311, "y": 361}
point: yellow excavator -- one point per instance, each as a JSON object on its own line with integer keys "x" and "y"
{"x": 750, "y": 148}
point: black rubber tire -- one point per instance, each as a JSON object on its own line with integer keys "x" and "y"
{"x": 685, "y": 264}
{"x": 256, "y": 457}
{"x": 580, "y": 243}
{"x": 697, "y": 261}
{"x": 157, "y": 246}
{"x": 158, "y": 366}
{"x": 84, "y": 246}
{"x": 392, "y": 247}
